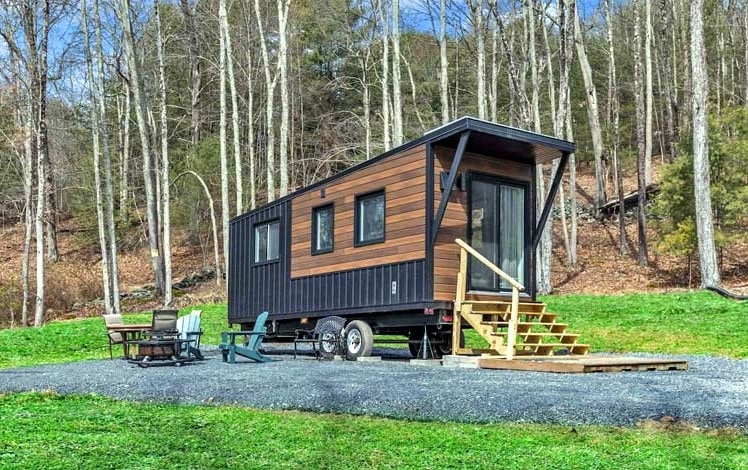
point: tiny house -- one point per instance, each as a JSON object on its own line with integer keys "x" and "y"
{"x": 375, "y": 243}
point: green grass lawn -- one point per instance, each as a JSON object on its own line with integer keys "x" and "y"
{"x": 50, "y": 431}
{"x": 74, "y": 340}
{"x": 687, "y": 323}
{"x": 684, "y": 323}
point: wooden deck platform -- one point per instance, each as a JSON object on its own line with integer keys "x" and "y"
{"x": 584, "y": 364}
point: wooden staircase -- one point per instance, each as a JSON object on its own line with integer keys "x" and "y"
{"x": 511, "y": 328}
{"x": 538, "y": 332}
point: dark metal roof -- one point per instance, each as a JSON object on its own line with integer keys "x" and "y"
{"x": 486, "y": 138}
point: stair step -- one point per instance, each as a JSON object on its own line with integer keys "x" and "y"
{"x": 573, "y": 348}
{"x": 504, "y": 306}
{"x": 542, "y": 335}
{"x": 521, "y": 323}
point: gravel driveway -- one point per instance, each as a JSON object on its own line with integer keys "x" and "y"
{"x": 713, "y": 393}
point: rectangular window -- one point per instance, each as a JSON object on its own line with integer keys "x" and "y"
{"x": 323, "y": 224}
{"x": 267, "y": 242}
{"x": 369, "y": 218}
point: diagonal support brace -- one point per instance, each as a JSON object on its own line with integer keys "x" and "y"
{"x": 549, "y": 200}
{"x": 450, "y": 183}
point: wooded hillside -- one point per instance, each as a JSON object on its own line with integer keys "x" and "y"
{"x": 136, "y": 117}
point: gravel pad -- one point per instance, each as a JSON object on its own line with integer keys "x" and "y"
{"x": 712, "y": 393}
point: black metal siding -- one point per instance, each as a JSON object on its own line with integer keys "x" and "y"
{"x": 254, "y": 288}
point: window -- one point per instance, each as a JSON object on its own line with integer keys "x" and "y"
{"x": 369, "y": 221}
{"x": 497, "y": 231}
{"x": 323, "y": 229}
{"x": 267, "y": 242}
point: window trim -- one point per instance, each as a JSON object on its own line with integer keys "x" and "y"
{"x": 315, "y": 211}
{"x": 357, "y": 242}
{"x": 254, "y": 241}
{"x": 529, "y": 259}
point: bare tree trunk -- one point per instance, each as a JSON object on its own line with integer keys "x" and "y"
{"x": 745, "y": 54}
{"x": 238, "y": 173}
{"x": 165, "y": 211}
{"x": 96, "y": 136}
{"x": 283, "y": 9}
{"x": 495, "y": 66}
{"x": 251, "y": 125}
{"x": 517, "y": 96}
{"x": 108, "y": 186}
{"x": 269, "y": 106}
{"x": 366, "y": 99}
{"x": 413, "y": 91}
{"x": 670, "y": 99}
{"x": 225, "y": 215}
{"x": 149, "y": 176}
{"x": 444, "y": 64}
{"x": 28, "y": 191}
{"x": 50, "y": 207}
{"x": 477, "y": 11}
{"x": 649, "y": 97}
{"x": 124, "y": 129}
{"x": 535, "y": 85}
{"x": 704, "y": 223}
{"x": 640, "y": 137}
{"x": 397, "y": 100}
{"x": 386, "y": 129}
{"x": 614, "y": 106}
{"x": 593, "y": 115}
{"x": 188, "y": 11}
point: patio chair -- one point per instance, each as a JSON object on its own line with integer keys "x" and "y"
{"x": 189, "y": 330}
{"x": 164, "y": 324}
{"x": 229, "y": 349}
{"x": 114, "y": 337}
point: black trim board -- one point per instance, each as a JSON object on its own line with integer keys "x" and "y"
{"x": 549, "y": 200}
{"x": 456, "y": 161}
{"x": 429, "y": 242}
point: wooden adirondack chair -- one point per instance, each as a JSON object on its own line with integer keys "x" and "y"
{"x": 189, "y": 330}
{"x": 229, "y": 349}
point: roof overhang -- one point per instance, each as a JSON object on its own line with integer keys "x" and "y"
{"x": 490, "y": 139}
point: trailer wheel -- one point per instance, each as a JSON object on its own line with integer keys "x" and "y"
{"x": 358, "y": 339}
{"x": 444, "y": 346}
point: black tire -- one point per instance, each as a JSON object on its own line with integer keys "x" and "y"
{"x": 414, "y": 344}
{"x": 359, "y": 340}
{"x": 444, "y": 342}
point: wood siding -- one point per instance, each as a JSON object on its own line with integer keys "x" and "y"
{"x": 403, "y": 178}
{"x": 455, "y": 222}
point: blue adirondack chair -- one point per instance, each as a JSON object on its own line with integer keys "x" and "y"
{"x": 229, "y": 348}
{"x": 189, "y": 330}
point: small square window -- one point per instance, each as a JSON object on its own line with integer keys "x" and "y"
{"x": 323, "y": 229}
{"x": 267, "y": 242}
{"x": 369, "y": 221}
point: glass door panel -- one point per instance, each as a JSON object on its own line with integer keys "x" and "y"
{"x": 512, "y": 233}
{"x": 484, "y": 233}
{"x": 497, "y": 231}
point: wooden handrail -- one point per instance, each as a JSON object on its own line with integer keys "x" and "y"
{"x": 512, "y": 282}
{"x": 466, "y": 249}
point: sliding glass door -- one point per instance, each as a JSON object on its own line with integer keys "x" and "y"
{"x": 496, "y": 229}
